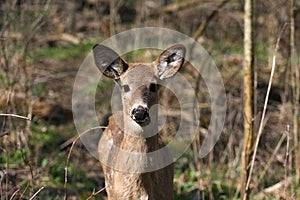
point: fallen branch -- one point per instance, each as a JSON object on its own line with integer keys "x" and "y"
{"x": 65, "y": 37}
{"x": 180, "y": 6}
{"x": 274, "y": 189}
{"x": 175, "y": 7}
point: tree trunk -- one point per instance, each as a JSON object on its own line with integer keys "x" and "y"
{"x": 296, "y": 92}
{"x": 248, "y": 97}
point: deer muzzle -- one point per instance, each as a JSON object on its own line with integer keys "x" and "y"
{"x": 140, "y": 114}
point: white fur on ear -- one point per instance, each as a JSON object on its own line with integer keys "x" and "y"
{"x": 170, "y": 61}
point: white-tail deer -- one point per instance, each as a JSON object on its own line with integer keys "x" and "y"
{"x": 134, "y": 130}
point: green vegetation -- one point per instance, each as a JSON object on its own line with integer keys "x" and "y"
{"x": 63, "y": 53}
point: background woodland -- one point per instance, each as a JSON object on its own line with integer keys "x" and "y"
{"x": 43, "y": 42}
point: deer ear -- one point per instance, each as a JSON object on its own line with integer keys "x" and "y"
{"x": 170, "y": 61}
{"x": 109, "y": 62}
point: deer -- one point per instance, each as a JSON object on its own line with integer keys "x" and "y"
{"x": 133, "y": 130}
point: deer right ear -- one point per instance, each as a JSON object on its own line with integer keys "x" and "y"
{"x": 109, "y": 62}
{"x": 170, "y": 61}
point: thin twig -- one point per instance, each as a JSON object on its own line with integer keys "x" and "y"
{"x": 14, "y": 115}
{"x": 24, "y": 191}
{"x": 275, "y": 152}
{"x": 40, "y": 18}
{"x": 69, "y": 155}
{"x": 30, "y": 169}
{"x": 35, "y": 194}
{"x": 260, "y": 130}
{"x": 14, "y": 194}
{"x": 95, "y": 193}
{"x": 203, "y": 25}
{"x": 287, "y": 132}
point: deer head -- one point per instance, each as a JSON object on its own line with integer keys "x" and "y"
{"x": 139, "y": 81}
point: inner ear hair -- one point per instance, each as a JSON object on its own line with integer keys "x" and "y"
{"x": 170, "y": 61}
{"x": 174, "y": 53}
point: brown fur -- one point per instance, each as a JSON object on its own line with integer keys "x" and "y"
{"x": 124, "y": 185}
{"x": 129, "y": 139}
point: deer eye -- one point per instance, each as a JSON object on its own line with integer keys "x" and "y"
{"x": 153, "y": 87}
{"x": 126, "y": 88}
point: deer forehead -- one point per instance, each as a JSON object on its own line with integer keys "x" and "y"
{"x": 139, "y": 75}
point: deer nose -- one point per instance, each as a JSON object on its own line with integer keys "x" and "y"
{"x": 140, "y": 114}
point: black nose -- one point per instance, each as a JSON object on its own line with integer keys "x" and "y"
{"x": 140, "y": 114}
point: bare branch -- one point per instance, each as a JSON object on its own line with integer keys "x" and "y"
{"x": 260, "y": 130}
{"x": 14, "y": 115}
{"x": 203, "y": 25}
{"x": 275, "y": 152}
{"x": 35, "y": 194}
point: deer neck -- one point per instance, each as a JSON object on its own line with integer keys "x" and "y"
{"x": 140, "y": 138}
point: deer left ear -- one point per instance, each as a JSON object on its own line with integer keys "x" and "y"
{"x": 109, "y": 62}
{"x": 170, "y": 61}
